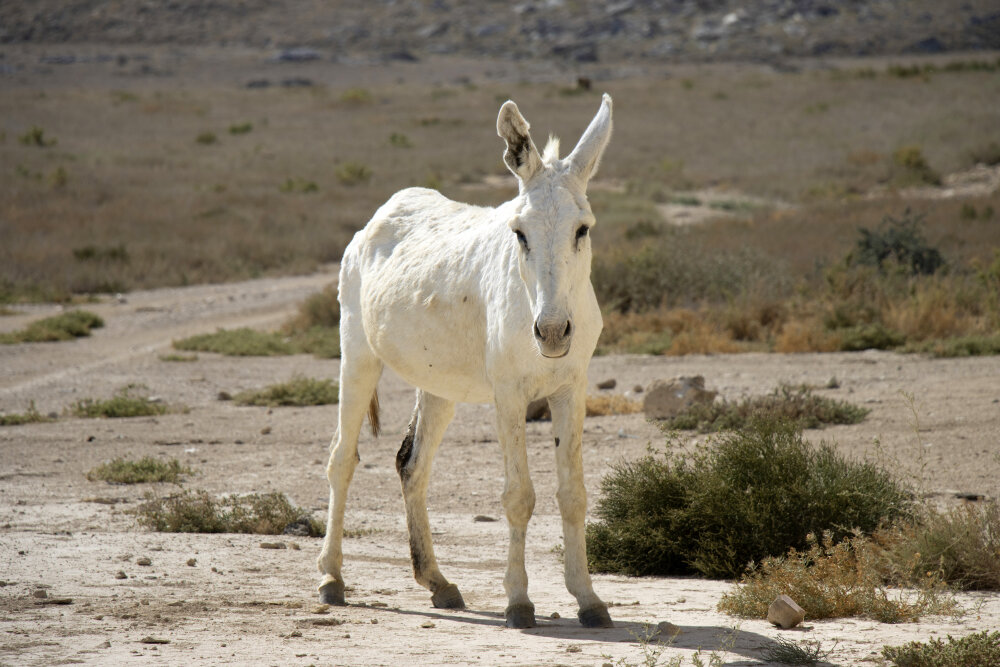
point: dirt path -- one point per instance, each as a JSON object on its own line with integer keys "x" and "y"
{"x": 239, "y": 603}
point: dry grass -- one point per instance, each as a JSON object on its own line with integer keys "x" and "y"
{"x": 201, "y": 512}
{"x": 143, "y": 471}
{"x": 599, "y": 406}
{"x": 835, "y": 580}
{"x": 134, "y": 177}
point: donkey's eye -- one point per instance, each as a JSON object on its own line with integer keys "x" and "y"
{"x": 582, "y": 231}
{"x": 520, "y": 238}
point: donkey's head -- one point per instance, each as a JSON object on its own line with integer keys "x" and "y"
{"x": 553, "y": 221}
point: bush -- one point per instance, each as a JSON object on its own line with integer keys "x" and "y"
{"x": 797, "y": 405}
{"x": 961, "y": 547}
{"x": 981, "y": 649}
{"x": 66, "y": 326}
{"x": 910, "y": 168}
{"x": 122, "y": 405}
{"x": 243, "y": 342}
{"x": 300, "y": 391}
{"x": 831, "y": 580}
{"x": 200, "y": 512}
{"x": 353, "y": 173}
{"x": 146, "y": 469}
{"x": 897, "y": 242}
{"x": 32, "y": 416}
{"x": 741, "y": 497}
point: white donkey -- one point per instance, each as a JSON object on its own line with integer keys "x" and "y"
{"x": 477, "y": 305}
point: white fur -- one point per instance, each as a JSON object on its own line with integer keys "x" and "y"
{"x": 445, "y": 294}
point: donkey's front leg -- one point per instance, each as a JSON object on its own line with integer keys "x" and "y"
{"x": 518, "y": 503}
{"x": 568, "y": 410}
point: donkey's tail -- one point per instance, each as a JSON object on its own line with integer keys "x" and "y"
{"x": 373, "y": 418}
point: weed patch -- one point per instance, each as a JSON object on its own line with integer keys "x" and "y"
{"x": 66, "y": 326}
{"x": 182, "y": 358}
{"x": 981, "y": 648}
{"x": 243, "y": 342}
{"x": 739, "y": 498}
{"x": 36, "y": 137}
{"x": 299, "y": 391}
{"x": 122, "y": 405}
{"x": 960, "y": 346}
{"x": 145, "y": 470}
{"x": 241, "y": 128}
{"x": 833, "y": 580}
{"x": 200, "y": 512}
{"x": 798, "y": 405}
{"x": 31, "y": 416}
{"x": 789, "y": 652}
{"x": 353, "y": 173}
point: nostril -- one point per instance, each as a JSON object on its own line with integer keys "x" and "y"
{"x": 569, "y": 329}
{"x": 538, "y": 334}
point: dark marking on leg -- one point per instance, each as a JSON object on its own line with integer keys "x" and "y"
{"x": 373, "y": 415}
{"x": 416, "y": 557}
{"x": 557, "y": 442}
{"x": 406, "y": 450}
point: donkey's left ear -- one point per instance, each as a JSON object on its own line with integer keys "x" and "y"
{"x": 585, "y": 158}
{"x": 521, "y": 155}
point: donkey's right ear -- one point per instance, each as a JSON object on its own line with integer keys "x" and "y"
{"x": 521, "y": 155}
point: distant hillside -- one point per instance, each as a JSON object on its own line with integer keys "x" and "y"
{"x": 607, "y": 31}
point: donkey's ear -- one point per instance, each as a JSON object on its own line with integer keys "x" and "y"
{"x": 585, "y": 158}
{"x": 521, "y": 155}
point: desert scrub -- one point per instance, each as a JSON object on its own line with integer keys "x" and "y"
{"x": 35, "y": 136}
{"x": 960, "y": 546}
{"x": 30, "y": 416}
{"x": 738, "y": 498}
{"x": 959, "y": 346}
{"x": 145, "y": 470}
{"x": 65, "y": 326}
{"x": 243, "y": 342}
{"x": 125, "y": 403}
{"x": 201, "y": 512}
{"x": 299, "y": 391}
{"x": 789, "y": 652}
{"x": 975, "y": 650}
{"x": 798, "y": 405}
{"x": 353, "y": 173}
{"x": 834, "y": 580}
{"x": 241, "y": 128}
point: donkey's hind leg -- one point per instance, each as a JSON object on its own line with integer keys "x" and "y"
{"x": 413, "y": 462}
{"x": 359, "y": 374}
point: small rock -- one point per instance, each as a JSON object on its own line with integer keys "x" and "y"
{"x": 327, "y": 621}
{"x": 294, "y": 546}
{"x": 40, "y": 593}
{"x": 295, "y": 633}
{"x": 427, "y": 624}
{"x": 637, "y": 389}
{"x": 224, "y": 396}
{"x": 144, "y": 561}
{"x": 667, "y": 629}
{"x": 153, "y": 640}
{"x": 191, "y": 562}
{"x": 607, "y": 384}
{"x": 555, "y": 614}
{"x": 573, "y": 649}
{"x": 668, "y": 399}
{"x": 104, "y": 644}
{"x": 121, "y": 575}
{"x": 266, "y": 430}
{"x": 300, "y": 528}
{"x": 273, "y": 545}
{"x": 482, "y": 518}
{"x": 785, "y": 612}
{"x": 321, "y": 609}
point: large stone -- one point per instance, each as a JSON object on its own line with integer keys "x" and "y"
{"x": 664, "y": 399}
{"x": 785, "y": 612}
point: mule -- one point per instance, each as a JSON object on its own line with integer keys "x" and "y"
{"x": 480, "y": 305}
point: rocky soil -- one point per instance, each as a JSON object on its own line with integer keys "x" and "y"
{"x": 222, "y": 599}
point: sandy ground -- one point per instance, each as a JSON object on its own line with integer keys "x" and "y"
{"x": 937, "y": 421}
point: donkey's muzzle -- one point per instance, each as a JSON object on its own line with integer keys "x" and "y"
{"x": 553, "y": 337}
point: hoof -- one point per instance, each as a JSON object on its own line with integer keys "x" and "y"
{"x": 595, "y": 617}
{"x": 332, "y": 592}
{"x": 448, "y": 598}
{"x": 520, "y": 616}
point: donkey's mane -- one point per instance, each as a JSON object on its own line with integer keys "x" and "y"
{"x": 551, "y": 152}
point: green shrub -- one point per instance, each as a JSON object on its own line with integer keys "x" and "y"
{"x": 298, "y": 185}
{"x": 321, "y": 309}
{"x": 241, "y": 128}
{"x": 65, "y": 326}
{"x": 356, "y": 96}
{"x": 31, "y": 416}
{"x": 962, "y": 346}
{"x": 300, "y": 391}
{"x": 243, "y": 342}
{"x": 741, "y": 497}
{"x": 206, "y": 138}
{"x": 353, "y": 173}
{"x": 145, "y": 470}
{"x": 897, "y": 243}
{"x": 400, "y": 140}
{"x": 831, "y": 580}
{"x": 122, "y": 405}
{"x": 200, "y": 512}
{"x": 981, "y": 649}
{"x": 36, "y": 137}
{"x": 873, "y": 336}
{"x": 321, "y": 342}
{"x": 910, "y": 168}
{"x": 797, "y": 405}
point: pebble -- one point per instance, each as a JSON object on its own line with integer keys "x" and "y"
{"x": 191, "y": 562}
{"x": 144, "y": 561}
{"x": 121, "y": 575}
{"x": 273, "y": 545}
